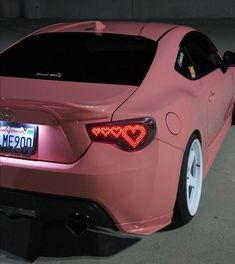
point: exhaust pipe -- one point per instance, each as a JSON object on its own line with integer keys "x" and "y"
{"x": 78, "y": 224}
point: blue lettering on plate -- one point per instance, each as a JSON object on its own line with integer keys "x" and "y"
{"x": 5, "y": 141}
{"x": 11, "y": 137}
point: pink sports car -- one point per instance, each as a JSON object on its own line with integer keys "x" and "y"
{"x": 111, "y": 126}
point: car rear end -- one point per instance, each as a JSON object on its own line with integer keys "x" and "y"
{"x": 62, "y": 157}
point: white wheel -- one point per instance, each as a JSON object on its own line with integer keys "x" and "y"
{"x": 194, "y": 177}
{"x": 190, "y": 183}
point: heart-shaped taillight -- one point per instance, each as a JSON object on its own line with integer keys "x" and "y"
{"x": 128, "y": 134}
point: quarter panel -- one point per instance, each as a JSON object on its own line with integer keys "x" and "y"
{"x": 165, "y": 91}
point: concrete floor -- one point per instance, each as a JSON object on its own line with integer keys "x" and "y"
{"x": 209, "y": 238}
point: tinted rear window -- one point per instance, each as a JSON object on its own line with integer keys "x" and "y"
{"x": 94, "y": 58}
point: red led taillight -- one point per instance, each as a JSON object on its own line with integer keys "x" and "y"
{"x": 128, "y": 134}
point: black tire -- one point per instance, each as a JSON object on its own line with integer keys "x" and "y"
{"x": 233, "y": 116}
{"x": 181, "y": 214}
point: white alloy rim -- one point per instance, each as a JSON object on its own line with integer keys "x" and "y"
{"x": 194, "y": 177}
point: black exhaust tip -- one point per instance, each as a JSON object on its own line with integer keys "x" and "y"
{"x": 78, "y": 224}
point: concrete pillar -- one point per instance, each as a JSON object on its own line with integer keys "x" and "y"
{"x": 32, "y": 9}
{"x": 1, "y": 8}
{"x": 10, "y": 8}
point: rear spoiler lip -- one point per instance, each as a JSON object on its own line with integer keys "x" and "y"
{"x": 62, "y": 111}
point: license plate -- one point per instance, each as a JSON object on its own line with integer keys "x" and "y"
{"x": 19, "y": 139}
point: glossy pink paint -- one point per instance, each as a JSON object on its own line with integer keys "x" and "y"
{"x": 138, "y": 189}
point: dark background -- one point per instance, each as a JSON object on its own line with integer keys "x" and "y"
{"x": 117, "y": 9}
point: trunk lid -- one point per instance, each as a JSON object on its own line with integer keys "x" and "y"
{"x": 60, "y": 110}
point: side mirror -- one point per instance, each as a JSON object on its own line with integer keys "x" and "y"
{"x": 228, "y": 60}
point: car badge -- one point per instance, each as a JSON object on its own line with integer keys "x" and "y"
{"x": 7, "y": 115}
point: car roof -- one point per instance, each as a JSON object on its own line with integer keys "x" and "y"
{"x": 151, "y": 30}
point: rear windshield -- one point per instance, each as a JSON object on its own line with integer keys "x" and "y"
{"x": 93, "y": 58}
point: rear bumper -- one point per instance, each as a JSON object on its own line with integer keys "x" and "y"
{"x": 137, "y": 190}
{"x": 50, "y": 208}
{"x": 34, "y": 224}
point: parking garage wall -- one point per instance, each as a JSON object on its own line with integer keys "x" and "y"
{"x": 118, "y": 9}
{"x": 137, "y": 9}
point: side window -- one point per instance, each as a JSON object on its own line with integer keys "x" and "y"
{"x": 202, "y": 52}
{"x": 184, "y": 64}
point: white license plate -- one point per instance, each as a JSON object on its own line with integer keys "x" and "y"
{"x": 18, "y": 138}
